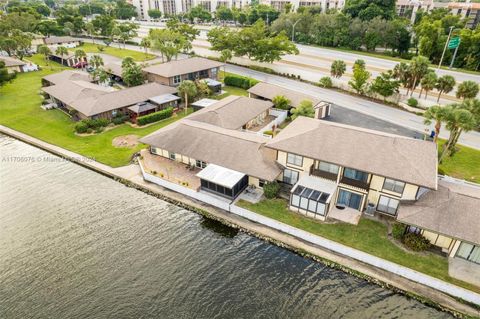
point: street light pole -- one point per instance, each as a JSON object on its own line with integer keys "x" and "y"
{"x": 293, "y": 29}
{"x": 445, "y": 48}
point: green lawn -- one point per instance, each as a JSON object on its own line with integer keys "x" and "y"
{"x": 115, "y": 51}
{"x": 368, "y": 236}
{"x": 464, "y": 164}
{"x": 231, "y": 90}
{"x": 20, "y": 110}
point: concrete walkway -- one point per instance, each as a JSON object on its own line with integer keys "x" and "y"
{"x": 384, "y": 271}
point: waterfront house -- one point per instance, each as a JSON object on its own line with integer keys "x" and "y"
{"x": 267, "y": 91}
{"x": 359, "y": 168}
{"x": 89, "y": 100}
{"x": 174, "y": 72}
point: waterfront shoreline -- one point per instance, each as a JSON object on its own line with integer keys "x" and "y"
{"x": 130, "y": 176}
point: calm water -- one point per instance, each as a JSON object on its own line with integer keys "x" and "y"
{"x": 75, "y": 244}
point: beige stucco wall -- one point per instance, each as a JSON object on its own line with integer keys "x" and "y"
{"x": 376, "y": 189}
{"x": 178, "y": 157}
{"x": 304, "y": 169}
{"x": 253, "y": 181}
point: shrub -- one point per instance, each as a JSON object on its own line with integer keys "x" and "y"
{"x": 325, "y": 82}
{"x": 262, "y": 69}
{"x": 416, "y": 242}
{"x": 119, "y": 119}
{"x": 154, "y": 117}
{"x": 81, "y": 127}
{"x": 412, "y": 102}
{"x": 398, "y": 230}
{"x": 239, "y": 81}
{"x": 270, "y": 190}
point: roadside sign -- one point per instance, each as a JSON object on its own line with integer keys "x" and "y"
{"x": 454, "y": 42}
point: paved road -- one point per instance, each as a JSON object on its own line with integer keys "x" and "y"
{"x": 313, "y": 62}
{"x": 377, "y": 110}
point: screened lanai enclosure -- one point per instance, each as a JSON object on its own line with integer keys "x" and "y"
{"x": 222, "y": 181}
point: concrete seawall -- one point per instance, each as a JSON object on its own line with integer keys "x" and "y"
{"x": 132, "y": 176}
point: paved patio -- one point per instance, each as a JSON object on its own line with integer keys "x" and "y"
{"x": 171, "y": 171}
{"x": 346, "y": 215}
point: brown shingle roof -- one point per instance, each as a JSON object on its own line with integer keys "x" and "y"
{"x": 67, "y": 75}
{"x": 232, "y": 112}
{"x": 183, "y": 66}
{"x": 114, "y": 68}
{"x": 9, "y": 61}
{"x": 56, "y": 40}
{"x": 70, "y": 91}
{"x": 121, "y": 98}
{"x": 269, "y": 91}
{"x": 401, "y": 158}
{"x": 236, "y": 150}
{"x": 453, "y": 210}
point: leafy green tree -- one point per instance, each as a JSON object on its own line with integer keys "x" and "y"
{"x": 369, "y": 9}
{"x": 90, "y": 28}
{"x": 188, "y": 90}
{"x": 359, "y": 80}
{"x": 61, "y": 51}
{"x": 168, "y": 42}
{"x": 5, "y": 77}
{"x": 104, "y": 24}
{"x": 305, "y": 108}
{"x": 360, "y": 63}
{"x": 154, "y": 13}
{"x": 125, "y": 10}
{"x": 467, "y": 90}
{"x": 437, "y": 114}
{"x": 281, "y": 102}
{"x": 45, "y": 51}
{"x": 223, "y": 14}
{"x": 96, "y": 61}
{"x": 338, "y": 68}
{"x": 127, "y": 31}
{"x": 48, "y": 28}
{"x": 199, "y": 13}
{"x": 445, "y": 84}
{"x": 132, "y": 74}
{"x": 385, "y": 85}
{"x": 428, "y": 83}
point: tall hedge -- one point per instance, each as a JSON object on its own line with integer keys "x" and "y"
{"x": 239, "y": 81}
{"x": 154, "y": 117}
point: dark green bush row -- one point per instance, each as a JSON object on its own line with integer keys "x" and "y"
{"x": 239, "y": 81}
{"x": 120, "y": 118}
{"x": 87, "y": 125}
{"x": 262, "y": 69}
{"x": 270, "y": 190}
{"x": 154, "y": 117}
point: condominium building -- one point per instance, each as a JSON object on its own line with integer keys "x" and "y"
{"x": 467, "y": 10}
{"x": 171, "y": 7}
{"x": 324, "y": 4}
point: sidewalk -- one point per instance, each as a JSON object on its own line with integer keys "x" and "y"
{"x": 392, "y": 274}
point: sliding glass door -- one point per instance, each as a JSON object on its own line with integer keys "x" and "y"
{"x": 349, "y": 199}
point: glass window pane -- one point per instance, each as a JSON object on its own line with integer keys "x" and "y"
{"x": 303, "y": 203}
{"x": 296, "y": 200}
{"x": 475, "y": 255}
{"x": 312, "y": 205}
{"x": 321, "y": 209}
{"x": 464, "y": 250}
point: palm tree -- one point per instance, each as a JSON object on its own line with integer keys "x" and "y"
{"x": 402, "y": 72}
{"x": 90, "y": 28}
{"x": 80, "y": 55}
{"x": 61, "y": 51}
{"x": 467, "y": 90}
{"x": 45, "y": 51}
{"x": 188, "y": 89}
{"x": 459, "y": 119}
{"x": 225, "y": 56}
{"x": 418, "y": 67}
{"x": 428, "y": 83}
{"x": 145, "y": 44}
{"x": 96, "y": 61}
{"x": 444, "y": 84}
{"x": 338, "y": 68}
{"x": 438, "y": 114}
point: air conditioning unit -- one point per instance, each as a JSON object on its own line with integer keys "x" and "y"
{"x": 370, "y": 209}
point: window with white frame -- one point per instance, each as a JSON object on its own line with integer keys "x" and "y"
{"x": 172, "y": 156}
{"x": 469, "y": 252}
{"x": 388, "y": 205}
{"x": 393, "y": 185}
{"x": 290, "y": 177}
{"x": 177, "y": 79}
{"x": 200, "y": 164}
{"x": 327, "y": 167}
{"x": 294, "y": 159}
